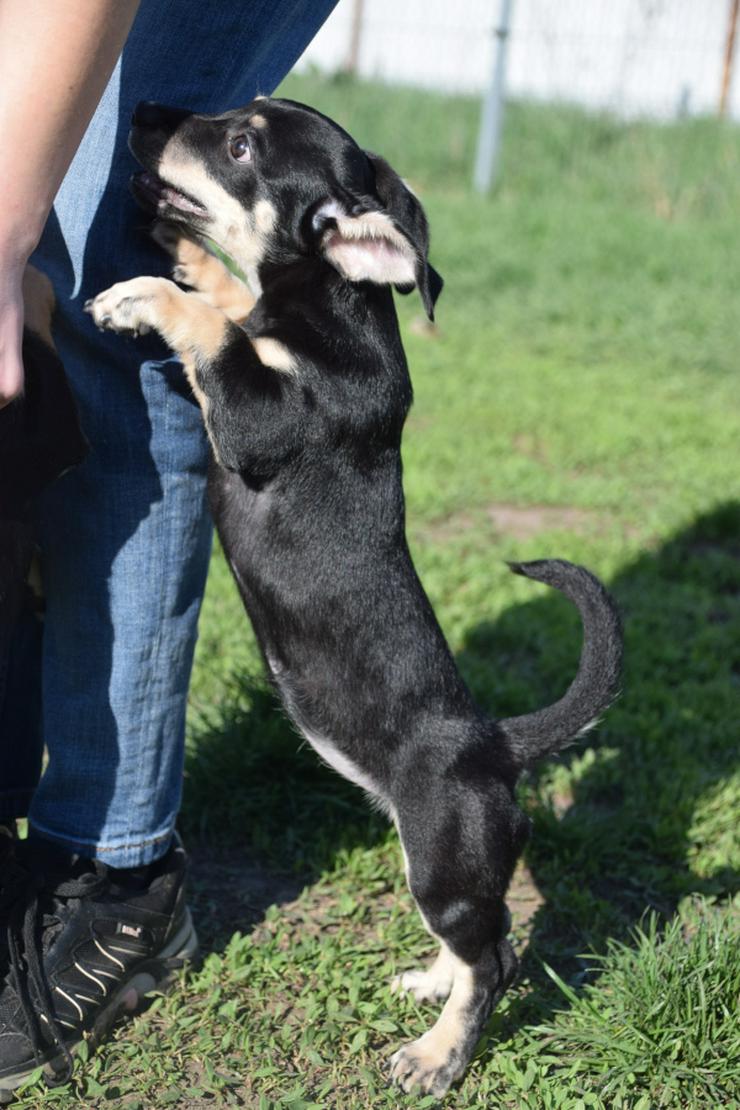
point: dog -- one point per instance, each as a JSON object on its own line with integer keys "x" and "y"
{"x": 304, "y": 389}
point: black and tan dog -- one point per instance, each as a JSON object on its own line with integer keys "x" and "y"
{"x": 305, "y": 405}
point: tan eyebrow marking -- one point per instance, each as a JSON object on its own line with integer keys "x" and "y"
{"x": 257, "y": 121}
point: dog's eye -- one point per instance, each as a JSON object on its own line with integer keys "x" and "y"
{"x": 239, "y": 149}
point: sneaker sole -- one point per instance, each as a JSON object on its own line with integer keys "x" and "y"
{"x": 154, "y": 974}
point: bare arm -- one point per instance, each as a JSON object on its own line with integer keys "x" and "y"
{"x": 55, "y": 59}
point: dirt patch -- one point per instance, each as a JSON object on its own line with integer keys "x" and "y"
{"x": 446, "y": 528}
{"x": 518, "y": 521}
{"x": 523, "y": 521}
{"x": 230, "y": 892}
{"x": 523, "y": 899}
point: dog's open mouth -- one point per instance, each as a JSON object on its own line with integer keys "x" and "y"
{"x": 156, "y": 195}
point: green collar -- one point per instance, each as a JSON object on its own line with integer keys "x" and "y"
{"x": 227, "y": 260}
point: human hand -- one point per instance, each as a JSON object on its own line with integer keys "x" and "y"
{"x": 11, "y": 331}
{"x": 44, "y": 110}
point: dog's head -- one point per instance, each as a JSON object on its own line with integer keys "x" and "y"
{"x": 276, "y": 182}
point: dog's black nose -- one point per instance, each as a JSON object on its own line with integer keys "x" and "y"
{"x": 147, "y": 113}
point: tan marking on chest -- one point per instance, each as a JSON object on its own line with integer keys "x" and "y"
{"x": 275, "y": 354}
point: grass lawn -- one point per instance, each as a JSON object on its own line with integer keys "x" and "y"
{"x": 579, "y": 399}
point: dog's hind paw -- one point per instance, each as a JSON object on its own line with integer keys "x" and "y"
{"x": 426, "y": 986}
{"x": 416, "y": 1067}
{"x": 431, "y": 984}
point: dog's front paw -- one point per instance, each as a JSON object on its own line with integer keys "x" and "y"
{"x": 189, "y": 256}
{"x": 418, "y": 1067}
{"x": 168, "y": 235}
{"x": 127, "y": 307}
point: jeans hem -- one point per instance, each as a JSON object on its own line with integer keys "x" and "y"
{"x": 138, "y": 854}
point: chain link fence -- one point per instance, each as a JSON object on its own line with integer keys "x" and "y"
{"x": 659, "y": 60}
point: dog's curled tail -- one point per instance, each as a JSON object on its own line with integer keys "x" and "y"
{"x": 596, "y": 684}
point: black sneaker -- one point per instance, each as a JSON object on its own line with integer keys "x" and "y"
{"x": 8, "y": 843}
{"x": 7, "y": 849}
{"x": 84, "y": 942}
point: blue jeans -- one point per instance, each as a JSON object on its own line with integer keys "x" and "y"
{"x": 126, "y": 536}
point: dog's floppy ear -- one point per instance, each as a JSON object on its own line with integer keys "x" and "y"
{"x": 387, "y": 244}
{"x": 408, "y": 216}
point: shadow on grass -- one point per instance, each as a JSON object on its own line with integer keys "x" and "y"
{"x": 264, "y": 817}
{"x": 639, "y": 822}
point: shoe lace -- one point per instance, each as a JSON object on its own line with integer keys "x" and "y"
{"x": 29, "y": 929}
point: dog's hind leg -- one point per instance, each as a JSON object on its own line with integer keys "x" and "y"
{"x": 460, "y": 847}
{"x": 202, "y": 272}
{"x": 439, "y": 1057}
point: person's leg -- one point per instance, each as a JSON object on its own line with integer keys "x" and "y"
{"x": 20, "y": 676}
{"x": 20, "y": 706}
{"x": 126, "y": 540}
{"x": 125, "y": 536}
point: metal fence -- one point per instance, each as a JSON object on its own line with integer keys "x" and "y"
{"x": 658, "y": 59}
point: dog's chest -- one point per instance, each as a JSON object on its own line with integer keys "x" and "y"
{"x": 324, "y": 747}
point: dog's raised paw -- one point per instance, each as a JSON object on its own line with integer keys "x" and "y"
{"x": 188, "y": 255}
{"x": 416, "y": 1067}
{"x": 169, "y": 235}
{"x": 124, "y": 307}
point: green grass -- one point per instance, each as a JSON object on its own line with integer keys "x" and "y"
{"x": 662, "y": 1011}
{"x": 579, "y": 399}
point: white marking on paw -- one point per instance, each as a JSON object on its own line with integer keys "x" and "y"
{"x": 432, "y": 984}
{"x": 126, "y": 306}
{"x": 432, "y": 1063}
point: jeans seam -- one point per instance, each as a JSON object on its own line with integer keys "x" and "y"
{"x": 153, "y": 668}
